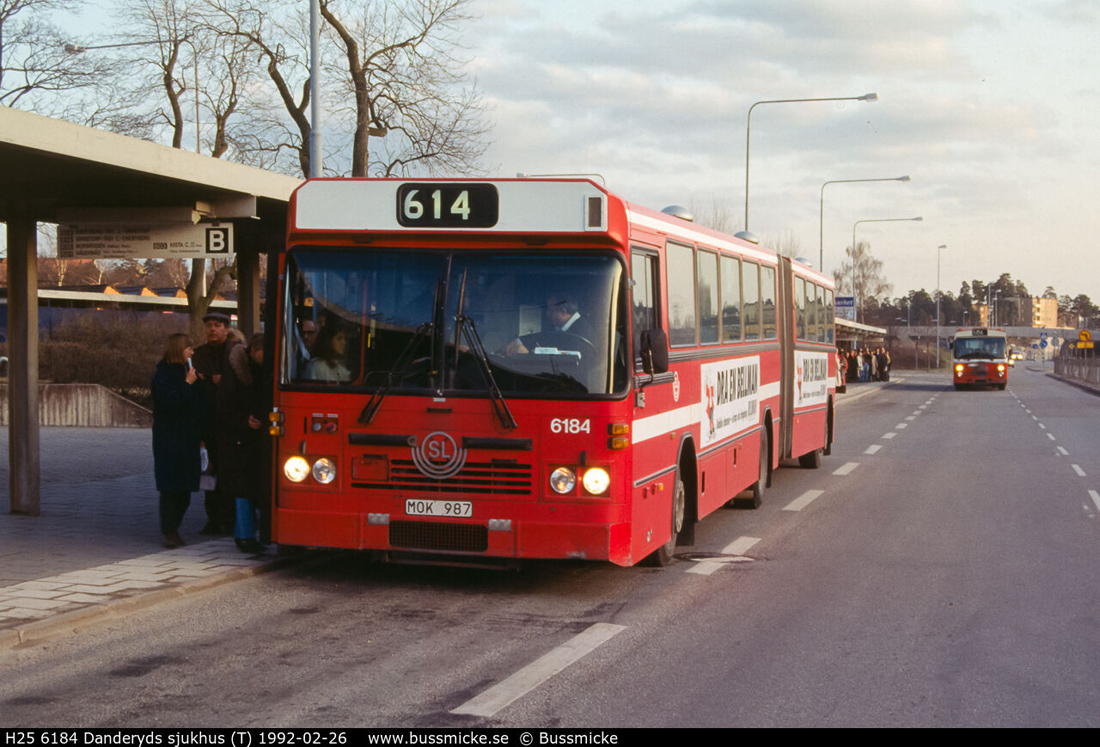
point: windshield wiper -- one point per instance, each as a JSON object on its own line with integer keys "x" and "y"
{"x": 465, "y": 325}
{"x": 371, "y": 409}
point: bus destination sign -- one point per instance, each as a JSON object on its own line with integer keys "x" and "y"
{"x": 438, "y": 205}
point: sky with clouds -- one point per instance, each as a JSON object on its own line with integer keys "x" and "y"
{"x": 990, "y": 107}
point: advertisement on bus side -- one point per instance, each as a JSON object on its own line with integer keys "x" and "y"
{"x": 811, "y": 379}
{"x": 731, "y": 398}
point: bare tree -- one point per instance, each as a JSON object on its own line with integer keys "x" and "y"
{"x": 278, "y": 32}
{"x": 714, "y": 214}
{"x": 861, "y": 277}
{"x": 401, "y": 68}
{"x": 35, "y": 69}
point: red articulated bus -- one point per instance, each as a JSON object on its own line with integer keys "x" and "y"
{"x": 486, "y": 370}
{"x": 979, "y": 357}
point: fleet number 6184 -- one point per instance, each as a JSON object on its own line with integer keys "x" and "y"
{"x": 570, "y": 425}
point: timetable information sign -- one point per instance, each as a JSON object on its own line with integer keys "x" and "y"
{"x": 149, "y": 241}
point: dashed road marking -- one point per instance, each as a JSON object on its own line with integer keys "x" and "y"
{"x": 873, "y": 448}
{"x": 1051, "y": 436}
{"x": 1095, "y": 498}
{"x": 1077, "y": 468}
{"x": 737, "y": 548}
{"x": 1062, "y": 451}
{"x": 845, "y": 469}
{"x": 889, "y": 435}
{"x": 803, "y": 500}
{"x": 534, "y": 674}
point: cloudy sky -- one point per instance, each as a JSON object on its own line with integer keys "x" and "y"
{"x": 990, "y": 106}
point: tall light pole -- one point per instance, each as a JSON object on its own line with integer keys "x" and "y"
{"x": 869, "y": 220}
{"x": 314, "y": 88}
{"x": 821, "y": 230}
{"x": 748, "y": 132}
{"x": 939, "y": 249}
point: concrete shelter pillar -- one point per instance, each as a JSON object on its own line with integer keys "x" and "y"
{"x": 23, "y": 442}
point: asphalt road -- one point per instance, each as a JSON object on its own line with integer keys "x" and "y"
{"x": 939, "y": 570}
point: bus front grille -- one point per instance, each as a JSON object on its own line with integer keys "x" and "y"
{"x": 424, "y": 535}
{"x": 482, "y": 478}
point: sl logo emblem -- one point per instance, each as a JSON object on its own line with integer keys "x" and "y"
{"x": 438, "y": 456}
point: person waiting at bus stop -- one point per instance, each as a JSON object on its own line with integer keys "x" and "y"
{"x": 211, "y": 361}
{"x": 178, "y": 409}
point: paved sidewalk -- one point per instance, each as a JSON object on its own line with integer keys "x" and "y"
{"x": 96, "y": 548}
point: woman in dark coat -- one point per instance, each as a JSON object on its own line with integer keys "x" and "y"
{"x": 246, "y": 405}
{"x": 177, "y": 428}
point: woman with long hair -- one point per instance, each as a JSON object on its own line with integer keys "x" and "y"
{"x": 177, "y": 427}
{"x": 329, "y": 361}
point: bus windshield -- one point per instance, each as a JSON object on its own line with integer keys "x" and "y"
{"x": 973, "y": 348}
{"x": 455, "y": 321}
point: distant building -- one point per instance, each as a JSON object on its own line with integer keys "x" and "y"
{"x": 1044, "y": 312}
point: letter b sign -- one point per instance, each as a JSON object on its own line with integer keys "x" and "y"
{"x": 219, "y": 240}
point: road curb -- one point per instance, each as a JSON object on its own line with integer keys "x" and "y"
{"x": 40, "y": 631}
{"x": 1082, "y": 385}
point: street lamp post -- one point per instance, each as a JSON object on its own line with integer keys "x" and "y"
{"x": 315, "y": 154}
{"x": 81, "y": 49}
{"x": 869, "y": 220}
{"x": 938, "y": 250}
{"x": 748, "y": 132}
{"x": 821, "y": 224}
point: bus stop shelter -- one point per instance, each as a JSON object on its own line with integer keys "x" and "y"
{"x": 50, "y": 169}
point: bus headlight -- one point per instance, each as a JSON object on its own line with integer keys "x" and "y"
{"x": 563, "y": 480}
{"x": 296, "y": 469}
{"x": 596, "y": 481}
{"x": 324, "y": 471}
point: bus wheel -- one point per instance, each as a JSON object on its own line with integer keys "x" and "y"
{"x": 811, "y": 460}
{"x": 663, "y": 555}
{"x": 756, "y": 492}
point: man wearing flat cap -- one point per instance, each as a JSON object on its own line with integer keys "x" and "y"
{"x": 211, "y": 360}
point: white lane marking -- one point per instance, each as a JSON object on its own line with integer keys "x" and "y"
{"x": 1033, "y": 417}
{"x": 534, "y": 674}
{"x": 1051, "y": 436}
{"x": 872, "y": 448}
{"x": 1077, "y": 468}
{"x": 902, "y": 425}
{"x": 1042, "y": 426}
{"x": 889, "y": 435}
{"x": 911, "y": 417}
{"x": 1062, "y": 450}
{"x": 738, "y": 548}
{"x": 803, "y": 500}
{"x": 1095, "y": 498}
{"x": 846, "y": 469}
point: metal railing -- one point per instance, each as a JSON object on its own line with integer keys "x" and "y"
{"x": 1080, "y": 369}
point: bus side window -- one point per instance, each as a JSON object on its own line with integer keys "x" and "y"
{"x": 830, "y": 315}
{"x": 767, "y": 302}
{"x": 708, "y": 297}
{"x": 643, "y": 304}
{"x": 680, "y": 269}
{"x": 750, "y": 293}
{"x": 731, "y": 299}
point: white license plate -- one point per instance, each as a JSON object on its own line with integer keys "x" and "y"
{"x": 461, "y": 509}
